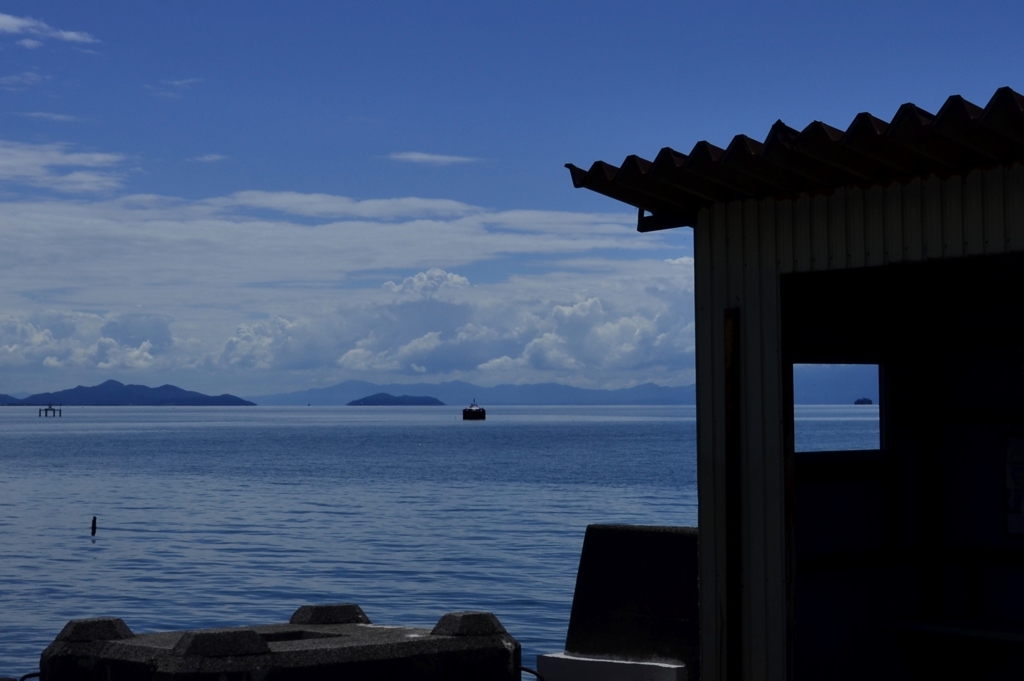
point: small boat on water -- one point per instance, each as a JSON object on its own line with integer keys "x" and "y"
{"x": 474, "y": 412}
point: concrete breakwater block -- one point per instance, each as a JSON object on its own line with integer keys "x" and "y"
{"x": 320, "y": 642}
{"x": 634, "y": 611}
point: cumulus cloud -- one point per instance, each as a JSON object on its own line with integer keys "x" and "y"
{"x": 430, "y": 159}
{"x": 684, "y": 261}
{"x": 21, "y": 341}
{"x": 265, "y": 291}
{"x": 84, "y": 341}
{"x": 28, "y": 26}
{"x": 488, "y": 334}
{"x": 135, "y": 329}
{"x": 58, "y": 167}
{"x": 280, "y": 344}
{"x": 115, "y": 356}
{"x": 594, "y": 338}
{"x": 428, "y": 283}
{"x": 250, "y": 348}
{"x": 510, "y": 333}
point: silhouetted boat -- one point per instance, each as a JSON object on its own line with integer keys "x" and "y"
{"x": 474, "y": 412}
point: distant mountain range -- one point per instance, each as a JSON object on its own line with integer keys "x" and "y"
{"x": 387, "y": 400}
{"x": 116, "y": 394}
{"x": 458, "y": 392}
{"x": 812, "y": 384}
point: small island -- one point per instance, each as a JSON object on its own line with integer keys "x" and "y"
{"x": 863, "y": 400}
{"x": 117, "y": 394}
{"x": 387, "y": 400}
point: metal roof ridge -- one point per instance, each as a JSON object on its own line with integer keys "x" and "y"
{"x": 821, "y": 157}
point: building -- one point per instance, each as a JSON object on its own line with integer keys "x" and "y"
{"x": 896, "y": 243}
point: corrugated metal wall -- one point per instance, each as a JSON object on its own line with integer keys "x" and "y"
{"x": 741, "y": 249}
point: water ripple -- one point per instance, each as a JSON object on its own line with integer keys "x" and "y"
{"x": 224, "y": 517}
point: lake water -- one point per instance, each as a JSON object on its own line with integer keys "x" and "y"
{"x": 231, "y": 516}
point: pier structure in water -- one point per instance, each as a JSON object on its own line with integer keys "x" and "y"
{"x": 50, "y": 410}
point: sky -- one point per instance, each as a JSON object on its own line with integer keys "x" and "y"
{"x": 257, "y": 197}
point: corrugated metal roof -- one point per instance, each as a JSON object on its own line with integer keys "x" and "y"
{"x": 670, "y": 190}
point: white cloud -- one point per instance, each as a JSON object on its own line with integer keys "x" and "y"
{"x": 420, "y": 346}
{"x": 172, "y": 89}
{"x": 182, "y": 82}
{"x": 80, "y": 341}
{"x": 135, "y": 329}
{"x": 21, "y": 340}
{"x": 362, "y": 358}
{"x": 430, "y": 159}
{"x": 210, "y": 158}
{"x": 266, "y": 291}
{"x": 30, "y": 43}
{"x": 685, "y": 261}
{"x": 58, "y": 167}
{"x": 428, "y": 283}
{"x": 28, "y": 26}
{"x": 250, "y": 348}
{"x": 330, "y": 205}
{"x": 21, "y": 80}
{"x": 118, "y": 357}
{"x": 549, "y": 351}
{"x": 59, "y": 118}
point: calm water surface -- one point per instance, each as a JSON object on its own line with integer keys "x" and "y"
{"x": 231, "y": 516}
{"x": 829, "y": 427}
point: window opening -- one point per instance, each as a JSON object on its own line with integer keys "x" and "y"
{"x": 835, "y": 407}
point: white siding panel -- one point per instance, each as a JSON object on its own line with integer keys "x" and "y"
{"x": 913, "y": 234}
{"x": 1014, "y": 187}
{"x": 709, "y": 476}
{"x": 734, "y": 255}
{"x": 952, "y": 218}
{"x": 819, "y": 237}
{"x": 752, "y": 441}
{"x": 773, "y": 453}
{"x": 931, "y": 209}
{"x": 995, "y": 231}
{"x": 837, "y": 259}
{"x": 874, "y": 226}
{"x": 974, "y": 214}
{"x": 802, "y": 234}
{"x": 856, "y": 235}
{"x": 893, "y": 225}
{"x": 719, "y": 302}
{"x": 734, "y": 263}
{"x": 784, "y": 236}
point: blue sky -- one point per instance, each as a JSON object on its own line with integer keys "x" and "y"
{"x": 257, "y": 197}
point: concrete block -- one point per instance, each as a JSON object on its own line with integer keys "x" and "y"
{"x": 468, "y": 624}
{"x": 220, "y": 643}
{"x": 566, "y": 667}
{"x": 95, "y": 629}
{"x": 334, "y": 613}
{"x": 464, "y": 646}
{"x": 636, "y": 594}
